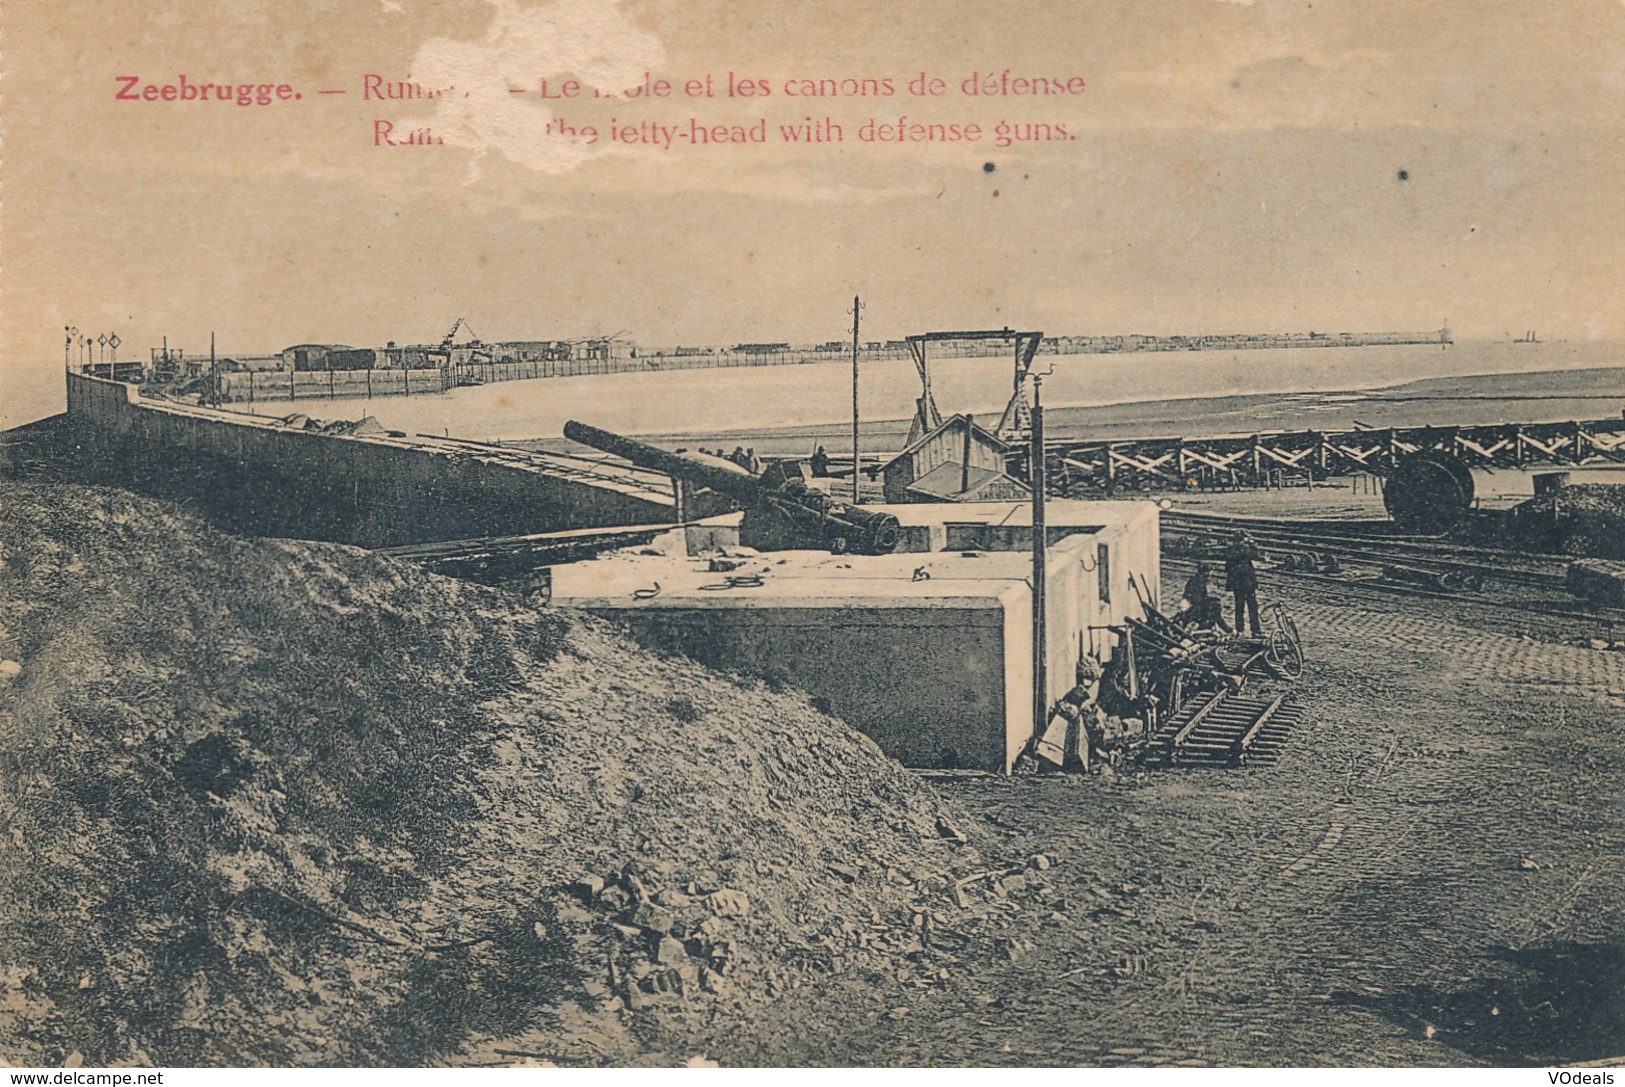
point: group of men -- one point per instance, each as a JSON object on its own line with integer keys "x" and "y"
{"x": 1204, "y": 609}
{"x": 750, "y": 462}
{"x": 744, "y": 458}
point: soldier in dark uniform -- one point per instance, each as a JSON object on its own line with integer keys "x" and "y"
{"x": 1202, "y": 609}
{"x": 1241, "y": 578}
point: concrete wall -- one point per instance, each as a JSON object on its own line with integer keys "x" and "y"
{"x": 260, "y": 478}
{"x": 1075, "y": 616}
{"x": 1132, "y": 549}
{"x": 1076, "y": 613}
{"x": 925, "y": 683}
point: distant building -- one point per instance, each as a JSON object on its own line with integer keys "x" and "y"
{"x": 328, "y": 356}
{"x": 412, "y": 357}
{"x": 532, "y": 350}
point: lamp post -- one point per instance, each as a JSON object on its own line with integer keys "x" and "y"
{"x": 1040, "y": 558}
{"x": 857, "y": 307}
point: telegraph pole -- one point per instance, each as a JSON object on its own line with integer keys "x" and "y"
{"x": 856, "y": 463}
{"x": 1040, "y": 555}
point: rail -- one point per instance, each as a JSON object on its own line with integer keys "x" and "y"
{"x": 1534, "y": 583}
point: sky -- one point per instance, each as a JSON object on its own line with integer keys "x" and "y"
{"x": 1227, "y": 166}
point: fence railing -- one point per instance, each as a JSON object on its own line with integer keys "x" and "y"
{"x": 250, "y": 386}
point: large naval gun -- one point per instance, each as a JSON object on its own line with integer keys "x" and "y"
{"x": 782, "y": 513}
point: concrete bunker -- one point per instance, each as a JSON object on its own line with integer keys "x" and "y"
{"x": 927, "y": 650}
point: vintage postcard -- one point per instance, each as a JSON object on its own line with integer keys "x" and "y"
{"x": 604, "y": 533}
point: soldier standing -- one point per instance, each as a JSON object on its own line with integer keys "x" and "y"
{"x": 1241, "y": 578}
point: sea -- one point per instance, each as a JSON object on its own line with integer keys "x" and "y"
{"x": 1190, "y": 393}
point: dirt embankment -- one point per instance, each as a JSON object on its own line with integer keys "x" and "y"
{"x": 265, "y": 802}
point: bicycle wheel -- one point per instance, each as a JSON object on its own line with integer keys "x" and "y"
{"x": 1284, "y": 656}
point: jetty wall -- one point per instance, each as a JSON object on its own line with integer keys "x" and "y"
{"x": 259, "y": 476}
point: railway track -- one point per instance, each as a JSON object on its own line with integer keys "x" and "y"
{"x": 1227, "y": 729}
{"x": 1468, "y": 562}
{"x": 1362, "y": 531}
{"x": 1606, "y": 619}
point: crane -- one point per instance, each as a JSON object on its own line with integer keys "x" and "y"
{"x": 1016, "y": 414}
{"x": 460, "y": 323}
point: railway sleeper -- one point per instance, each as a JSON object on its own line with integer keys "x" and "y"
{"x": 1227, "y": 731}
{"x": 1224, "y": 736}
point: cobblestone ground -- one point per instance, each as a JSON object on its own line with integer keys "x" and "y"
{"x": 1432, "y": 875}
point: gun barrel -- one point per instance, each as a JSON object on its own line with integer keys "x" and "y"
{"x": 776, "y": 519}
{"x": 744, "y": 488}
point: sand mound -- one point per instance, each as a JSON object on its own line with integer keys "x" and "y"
{"x": 265, "y": 802}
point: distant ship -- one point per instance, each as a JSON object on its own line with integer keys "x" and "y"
{"x": 1527, "y": 337}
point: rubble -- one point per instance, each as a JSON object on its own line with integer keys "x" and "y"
{"x": 1585, "y": 519}
{"x": 1598, "y": 581}
{"x": 363, "y": 427}
{"x": 1158, "y": 666}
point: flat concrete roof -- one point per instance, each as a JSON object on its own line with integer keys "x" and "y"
{"x": 818, "y": 579}
{"x": 1058, "y": 513}
{"x": 796, "y": 579}
{"x": 1079, "y": 514}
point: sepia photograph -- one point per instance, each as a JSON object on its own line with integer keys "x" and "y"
{"x": 627, "y": 534}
